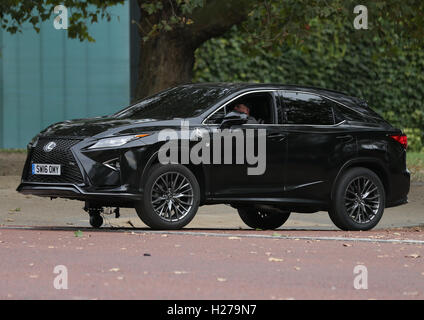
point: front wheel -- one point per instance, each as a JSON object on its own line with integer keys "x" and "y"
{"x": 358, "y": 201}
{"x": 171, "y": 197}
{"x": 259, "y": 219}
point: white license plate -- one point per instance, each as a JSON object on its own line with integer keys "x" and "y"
{"x": 46, "y": 169}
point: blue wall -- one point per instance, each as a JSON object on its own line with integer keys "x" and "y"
{"x": 47, "y": 77}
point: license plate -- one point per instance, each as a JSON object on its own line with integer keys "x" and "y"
{"x": 46, "y": 169}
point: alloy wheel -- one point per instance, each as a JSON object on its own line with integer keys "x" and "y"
{"x": 172, "y": 196}
{"x": 362, "y": 200}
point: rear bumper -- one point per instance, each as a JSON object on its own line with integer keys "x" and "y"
{"x": 74, "y": 192}
{"x": 400, "y": 186}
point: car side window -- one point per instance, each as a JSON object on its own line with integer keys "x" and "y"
{"x": 343, "y": 113}
{"x": 304, "y": 108}
{"x": 260, "y": 105}
{"x": 217, "y": 117}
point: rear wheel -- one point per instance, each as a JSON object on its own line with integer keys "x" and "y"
{"x": 260, "y": 219}
{"x": 171, "y": 197}
{"x": 359, "y": 200}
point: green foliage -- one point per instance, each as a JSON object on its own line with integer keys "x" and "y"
{"x": 14, "y": 13}
{"x": 392, "y": 81}
{"x": 414, "y": 140}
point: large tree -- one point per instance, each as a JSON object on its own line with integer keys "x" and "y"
{"x": 171, "y": 30}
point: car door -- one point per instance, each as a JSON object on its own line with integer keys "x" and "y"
{"x": 261, "y": 173}
{"x": 317, "y": 145}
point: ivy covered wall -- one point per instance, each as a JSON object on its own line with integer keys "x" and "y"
{"x": 391, "y": 82}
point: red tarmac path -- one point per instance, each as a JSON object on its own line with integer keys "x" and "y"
{"x": 210, "y": 264}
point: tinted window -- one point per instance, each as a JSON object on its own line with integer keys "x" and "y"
{"x": 260, "y": 108}
{"x": 344, "y": 113}
{"x": 217, "y": 117}
{"x": 180, "y": 102}
{"x": 303, "y": 108}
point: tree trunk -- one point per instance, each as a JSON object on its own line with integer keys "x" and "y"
{"x": 165, "y": 61}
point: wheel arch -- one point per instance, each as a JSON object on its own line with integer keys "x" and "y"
{"x": 197, "y": 170}
{"x": 375, "y": 165}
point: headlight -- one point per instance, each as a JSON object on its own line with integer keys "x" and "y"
{"x": 115, "y": 141}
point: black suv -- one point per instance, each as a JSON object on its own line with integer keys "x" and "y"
{"x": 297, "y": 149}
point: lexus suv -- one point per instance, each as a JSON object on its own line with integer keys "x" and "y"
{"x": 266, "y": 150}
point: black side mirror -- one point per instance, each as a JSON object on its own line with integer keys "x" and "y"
{"x": 234, "y": 118}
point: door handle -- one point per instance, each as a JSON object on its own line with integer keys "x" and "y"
{"x": 346, "y": 138}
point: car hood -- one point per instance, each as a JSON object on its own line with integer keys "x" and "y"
{"x": 104, "y": 126}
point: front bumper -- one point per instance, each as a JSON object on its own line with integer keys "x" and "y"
{"x": 84, "y": 175}
{"x": 74, "y": 192}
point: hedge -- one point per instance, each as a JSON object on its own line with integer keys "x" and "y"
{"x": 393, "y": 84}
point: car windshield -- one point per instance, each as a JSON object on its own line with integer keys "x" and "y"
{"x": 180, "y": 102}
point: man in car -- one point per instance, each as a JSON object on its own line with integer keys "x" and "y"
{"x": 242, "y": 108}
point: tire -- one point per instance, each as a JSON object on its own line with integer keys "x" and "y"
{"x": 171, "y": 197}
{"x": 258, "y": 219}
{"x": 96, "y": 221}
{"x": 358, "y": 201}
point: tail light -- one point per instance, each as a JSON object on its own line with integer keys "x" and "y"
{"x": 402, "y": 139}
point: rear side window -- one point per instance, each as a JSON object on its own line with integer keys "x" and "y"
{"x": 343, "y": 113}
{"x": 304, "y": 108}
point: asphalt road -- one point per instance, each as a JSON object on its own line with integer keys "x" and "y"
{"x": 215, "y": 257}
{"x": 203, "y": 264}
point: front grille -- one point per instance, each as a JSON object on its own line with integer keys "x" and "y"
{"x": 61, "y": 154}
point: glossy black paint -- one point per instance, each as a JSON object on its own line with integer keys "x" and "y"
{"x": 303, "y": 161}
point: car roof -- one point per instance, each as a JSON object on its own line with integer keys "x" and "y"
{"x": 235, "y": 87}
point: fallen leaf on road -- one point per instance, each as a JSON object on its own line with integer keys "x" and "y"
{"x": 276, "y": 234}
{"x": 78, "y": 233}
{"x": 180, "y": 272}
{"x": 114, "y": 269}
{"x": 120, "y": 278}
{"x": 346, "y": 245}
{"x": 413, "y": 255}
{"x": 297, "y": 268}
{"x": 268, "y": 253}
{"x": 396, "y": 233}
{"x": 221, "y": 279}
{"x": 33, "y": 276}
{"x": 10, "y": 220}
{"x": 234, "y": 238}
{"x": 275, "y": 259}
{"x": 147, "y": 254}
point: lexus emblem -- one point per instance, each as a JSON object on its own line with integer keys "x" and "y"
{"x": 49, "y": 146}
